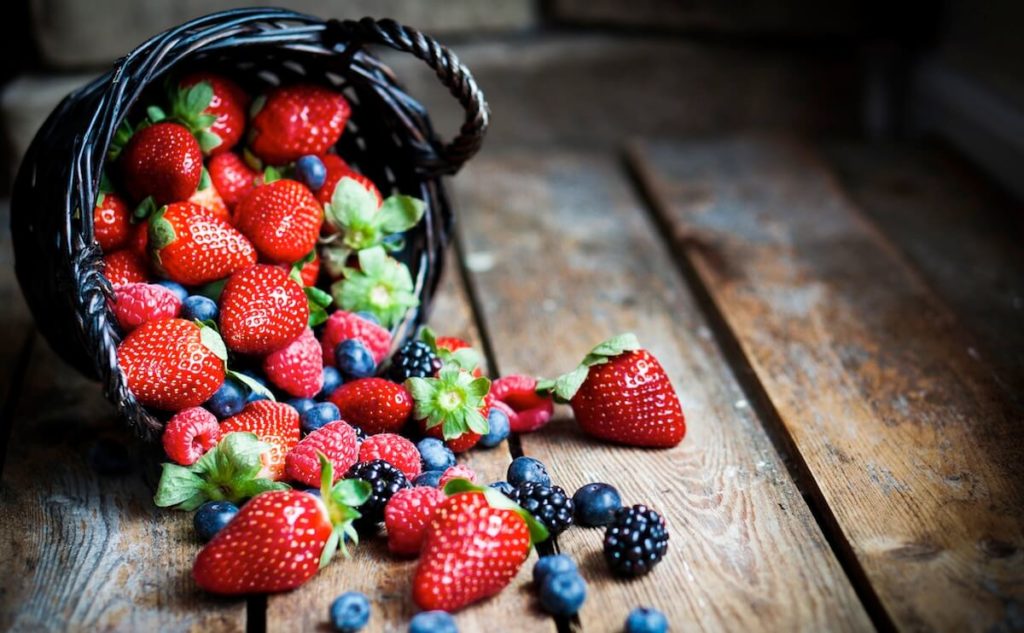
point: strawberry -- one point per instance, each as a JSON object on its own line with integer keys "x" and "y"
{"x": 231, "y": 177}
{"x": 297, "y": 368}
{"x": 343, "y": 325}
{"x": 395, "y": 450}
{"x": 310, "y": 270}
{"x": 381, "y": 285}
{"x": 280, "y": 539}
{"x": 406, "y": 516}
{"x": 189, "y": 434}
{"x": 458, "y": 471}
{"x": 111, "y": 222}
{"x": 375, "y": 405}
{"x": 532, "y": 410}
{"x": 206, "y": 196}
{"x": 460, "y": 444}
{"x": 261, "y": 310}
{"x": 137, "y": 303}
{"x": 447, "y": 346}
{"x": 172, "y": 364}
{"x": 125, "y": 267}
{"x": 452, "y": 406}
{"x": 292, "y": 121}
{"x": 338, "y": 169}
{"x": 282, "y": 220}
{"x": 621, "y": 394}
{"x": 192, "y": 247}
{"x": 163, "y": 161}
{"x": 474, "y": 545}
{"x": 275, "y": 424}
{"x": 213, "y": 107}
{"x": 139, "y": 242}
{"x": 336, "y": 441}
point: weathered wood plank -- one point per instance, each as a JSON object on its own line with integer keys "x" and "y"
{"x": 15, "y": 322}
{"x": 914, "y": 448}
{"x": 562, "y": 256}
{"x": 386, "y": 580}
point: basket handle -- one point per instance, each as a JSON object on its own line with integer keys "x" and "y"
{"x": 446, "y": 66}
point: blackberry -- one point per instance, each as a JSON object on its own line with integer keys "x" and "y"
{"x": 635, "y": 541}
{"x": 549, "y": 504}
{"x": 385, "y": 480}
{"x": 415, "y": 359}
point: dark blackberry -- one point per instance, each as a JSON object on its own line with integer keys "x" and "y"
{"x": 414, "y": 359}
{"x": 549, "y": 504}
{"x": 635, "y": 541}
{"x": 385, "y": 479}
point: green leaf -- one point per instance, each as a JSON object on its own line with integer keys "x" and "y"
{"x": 155, "y": 114}
{"x": 257, "y": 105}
{"x": 208, "y": 141}
{"x": 330, "y": 547}
{"x": 568, "y": 384}
{"x": 177, "y": 486}
{"x": 271, "y": 174}
{"x": 252, "y": 160}
{"x": 477, "y": 422}
{"x": 145, "y": 209}
{"x": 161, "y": 232}
{"x": 105, "y": 185}
{"x": 317, "y": 316}
{"x": 351, "y": 198}
{"x": 317, "y": 296}
{"x": 381, "y": 286}
{"x": 400, "y": 213}
{"x": 204, "y": 179}
{"x": 352, "y": 492}
{"x": 253, "y": 487}
{"x": 479, "y": 388}
{"x": 538, "y": 531}
{"x": 198, "y": 97}
{"x": 212, "y": 341}
{"x": 419, "y": 388}
{"x": 616, "y": 345}
{"x": 252, "y": 385}
{"x": 213, "y": 289}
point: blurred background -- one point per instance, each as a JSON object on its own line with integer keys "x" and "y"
{"x": 596, "y": 72}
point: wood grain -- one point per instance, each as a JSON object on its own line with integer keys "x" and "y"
{"x": 913, "y": 446}
{"x": 562, "y": 256}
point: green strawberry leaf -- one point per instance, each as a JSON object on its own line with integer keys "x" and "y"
{"x": 252, "y": 385}
{"x": 565, "y": 386}
{"x": 155, "y": 114}
{"x": 105, "y": 185}
{"x": 197, "y": 97}
{"x": 400, "y": 213}
{"x": 381, "y": 286}
{"x": 145, "y": 209}
{"x": 252, "y": 160}
{"x": 340, "y": 500}
{"x": 161, "y": 231}
{"x": 204, "y": 179}
{"x": 453, "y": 400}
{"x": 317, "y": 296}
{"x": 213, "y": 289}
{"x": 212, "y": 341}
{"x": 271, "y": 174}
{"x": 121, "y": 137}
{"x": 538, "y": 531}
{"x": 179, "y": 486}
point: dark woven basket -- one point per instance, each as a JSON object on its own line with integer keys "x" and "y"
{"x": 389, "y": 138}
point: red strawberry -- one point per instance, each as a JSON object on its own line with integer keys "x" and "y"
{"x": 343, "y": 325}
{"x": 282, "y": 219}
{"x": 297, "y": 368}
{"x": 111, "y": 222}
{"x": 189, "y": 434}
{"x": 125, "y": 267}
{"x": 297, "y": 120}
{"x": 520, "y": 393}
{"x": 135, "y": 304}
{"x": 375, "y": 405}
{"x": 621, "y": 394}
{"x": 395, "y": 450}
{"x": 139, "y": 243}
{"x": 172, "y": 364}
{"x": 309, "y": 272}
{"x": 459, "y": 444}
{"x": 452, "y": 407}
{"x": 338, "y": 169}
{"x": 262, "y": 310}
{"x": 406, "y": 516}
{"x": 192, "y": 247}
{"x": 232, "y": 178}
{"x": 453, "y": 344}
{"x": 458, "y": 471}
{"x": 162, "y": 161}
{"x": 337, "y": 441}
{"x": 207, "y": 196}
{"x": 213, "y": 107}
{"x": 276, "y": 424}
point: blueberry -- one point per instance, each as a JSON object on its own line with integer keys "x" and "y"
{"x": 211, "y": 517}
{"x": 435, "y": 455}
{"x": 351, "y": 610}
{"x": 332, "y": 380}
{"x": 178, "y": 290}
{"x": 524, "y": 469}
{"x": 310, "y": 170}
{"x": 503, "y": 487}
{"x": 318, "y": 415}
{"x": 199, "y": 308}
{"x": 228, "y": 400}
{"x": 301, "y": 404}
{"x": 313, "y": 491}
{"x": 110, "y": 458}
{"x": 596, "y": 504}
{"x": 432, "y": 622}
{"x": 563, "y": 594}
{"x": 429, "y": 478}
{"x": 368, "y": 316}
{"x": 353, "y": 359}
{"x": 498, "y": 428}
{"x": 552, "y": 564}
{"x": 645, "y": 620}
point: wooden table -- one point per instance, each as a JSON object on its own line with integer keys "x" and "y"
{"x": 843, "y": 324}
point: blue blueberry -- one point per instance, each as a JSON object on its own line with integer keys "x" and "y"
{"x": 563, "y": 594}
{"x": 434, "y": 454}
{"x": 645, "y": 620}
{"x": 252, "y": 395}
{"x": 596, "y": 504}
{"x": 432, "y": 622}
{"x": 178, "y": 290}
{"x": 318, "y": 415}
{"x": 368, "y": 316}
{"x": 199, "y": 308}
{"x": 228, "y": 400}
{"x": 498, "y": 428}
{"x": 311, "y": 171}
{"x": 503, "y": 487}
{"x": 552, "y": 564}
{"x": 332, "y": 380}
{"x": 301, "y": 404}
{"x": 211, "y": 517}
{"x": 429, "y": 478}
{"x": 313, "y": 491}
{"x": 524, "y": 469}
{"x": 351, "y": 610}
{"x": 353, "y": 359}
{"x": 110, "y": 458}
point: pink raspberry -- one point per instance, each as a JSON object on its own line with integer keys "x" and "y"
{"x": 520, "y": 392}
{"x": 337, "y": 441}
{"x": 406, "y": 517}
{"x": 458, "y": 471}
{"x": 189, "y": 434}
{"x": 342, "y": 326}
{"x": 297, "y": 368}
{"x": 137, "y": 303}
{"x": 395, "y": 450}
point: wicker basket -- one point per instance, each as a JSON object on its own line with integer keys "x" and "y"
{"x": 389, "y": 138}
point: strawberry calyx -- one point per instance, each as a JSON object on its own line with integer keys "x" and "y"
{"x": 341, "y": 500}
{"x": 361, "y": 224}
{"x": 538, "y": 531}
{"x": 466, "y": 358}
{"x": 452, "y": 400}
{"x": 381, "y": 286}
{"x": 318, "y": 300}
{"x": 227, "y": 472}
{"x": 564, "y": 387}
{"x": 188, "y": 107}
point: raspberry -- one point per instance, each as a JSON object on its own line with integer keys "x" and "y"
{"x": 342, "y": 326}
{"x": 394, "y": 449}
{"x": 406, "y": 517}
{"x": 297, "y": 368}
{"x": 337, "y": 441}
{"x": 458, "y": 471}
{"x": 520, "y": 393}
{"x": 189, "y": 434}
{"x": 137, "y": 303}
